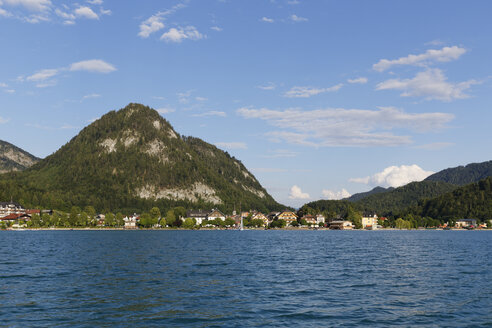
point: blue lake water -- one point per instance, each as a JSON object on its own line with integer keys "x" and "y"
{"x": 245, "y": 279}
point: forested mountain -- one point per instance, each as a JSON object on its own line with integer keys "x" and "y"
{"x": 473, "y": 201}
{"x": 463, "y": 175}
{"x": 132, "y": 160}
{"x": 13, "y": 158}
{"x": 405, "y": 196}
{"x": 361, "y": 195}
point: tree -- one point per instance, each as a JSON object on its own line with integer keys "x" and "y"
{"x": 74, "y": 213}
{"x": 189, "y": 223}
{"x": 109, "y": 220}
{"x": 229, "y": 222}
{"x": 354, "y": 217}
{"x": 155, "y": 213}
{"x": 91, "y": 212}
{"x": 280, "y": 223}
{"x": 119, "y": 219}
{"x": 145, "y": 220}
{"x": 82, "y": 219}
{"x": 163, "y": 222}
{"x": 170, "y": 218}
{"x": 179, "y": 212}
{"x": 35, "y": 220}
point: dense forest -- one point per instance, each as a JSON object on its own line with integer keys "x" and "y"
{"x": 132, "y": 160}
{"x": 463, "y": 175}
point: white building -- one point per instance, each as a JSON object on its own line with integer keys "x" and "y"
{"x": 369, "y": 221}
{"x": 216, "y": 214}
{"x": 131, "y": 221}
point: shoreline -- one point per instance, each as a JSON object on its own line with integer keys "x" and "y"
{"x": 253, "y": 229}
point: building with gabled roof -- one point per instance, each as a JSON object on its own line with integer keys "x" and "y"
{"x": 287, "y": 216}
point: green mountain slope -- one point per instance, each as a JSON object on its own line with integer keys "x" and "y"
{"x": 473, "y": 201}
{"x": 362, "y": 195}
{"x": 463, "y": 175}
{"x": 405, "y": 196}
{"x": 132, "y": 159}
{"x": 13, "y": 158}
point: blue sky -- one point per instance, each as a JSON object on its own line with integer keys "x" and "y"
{"x": 319, "y": 99}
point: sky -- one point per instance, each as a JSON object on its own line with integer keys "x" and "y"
{"x": 319, "y": 99}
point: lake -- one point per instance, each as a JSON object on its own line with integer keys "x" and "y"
{"x": 245, "y": 278}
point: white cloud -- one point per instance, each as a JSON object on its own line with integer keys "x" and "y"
{"x": 166, "y": 110}
{"x": 152, "y": 24}
{"x": 445, "y": 54}
{"x": 95, "y": 2}
{"x": 293, "y": 2}
{"x": 335, "y": 195}
{"x": 69, "y": 17}
{"x": 268, "y": 86}
{"x": 155, "y": 22}
{"x": 4, "y": 13}
{"x": 345, "y": 127}
{"x": 46, "y": 84}
{"x": 216, "y": 28}
{"x": 231, "y": 145}
{"x": 3, "y": 85}
{"x": 182, "y": 33}
{"x": 93, "y": 65}
{"x": 211, "y": 113}
{"x": 32, "y": 5}
{"x": 201, "y": 99}
{"x": 9, "y": 91}
{"x": 184, "y": 97}
{"x": 430, "y": 84}
{"x": 85, "y": 12}
{"x": 395, "y": 176}
{"x": 3, "y": 120}
{"x": 91, "y": 96}
{"x": 359, "y": 80}
{"x": 306, "y": 92}
{"x": 296, "y": 193}
{"x": 281, "y": 153}
{"x": 43, "y": 75}
{"x": 267, "y": 20}
{"x": 297, "y": 19}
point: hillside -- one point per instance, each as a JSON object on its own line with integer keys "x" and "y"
{"x": 13, "y": 158}
{"x": 463, "y": 175}
{"x": 405, "y": 196}
{"x": 362, "y": 195}
{"x": 473, "y": 201}
{"x": 131, "y": 160}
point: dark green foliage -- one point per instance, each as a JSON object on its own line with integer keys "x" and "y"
{"x": 473, "y": 201}
{"x": 13, "y": 158}
{"x": 131, "y": 153}
{"x": 330, "y": 208}
{"x": 359, "y": 196}
{"x": 463, "y": 175}
{"x": 402, "y": 197}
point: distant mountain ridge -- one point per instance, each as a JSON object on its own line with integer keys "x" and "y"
{"x": 463, "y": 175}
{"x": 362, "y": 195}
{"x": 13, "y": 158}
{"x": 405, "y": 196}
{"x": 132, "y": 160}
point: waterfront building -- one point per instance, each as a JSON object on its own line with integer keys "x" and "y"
{"x": 369, "y": 221}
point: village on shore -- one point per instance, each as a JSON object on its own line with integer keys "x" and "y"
{"x": 14, "y": 216}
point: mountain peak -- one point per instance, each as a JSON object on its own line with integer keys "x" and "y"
{"x": 12, "y": 158}
{"x": 134, "y": 159}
